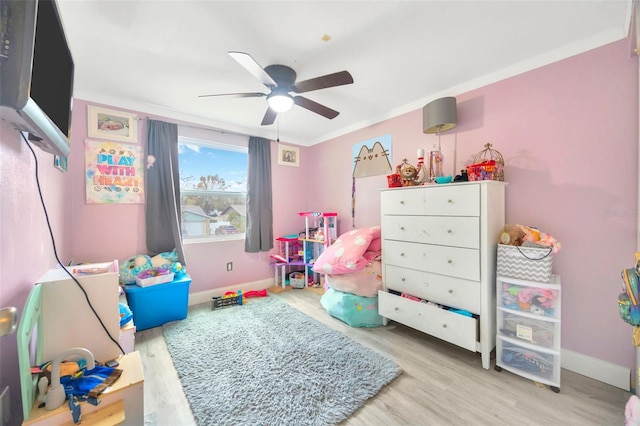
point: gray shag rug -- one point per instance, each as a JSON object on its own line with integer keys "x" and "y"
{"x": 266, "y": 363}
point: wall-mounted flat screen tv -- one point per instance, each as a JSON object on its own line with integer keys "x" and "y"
{"x": 36, "y": 73}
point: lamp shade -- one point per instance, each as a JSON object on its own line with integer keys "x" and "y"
{"x": 439, "y": 115}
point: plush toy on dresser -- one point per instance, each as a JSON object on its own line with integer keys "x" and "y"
{"x": 409, "y": 174}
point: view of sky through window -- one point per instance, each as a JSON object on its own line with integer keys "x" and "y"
{"x": 200, "y": 160}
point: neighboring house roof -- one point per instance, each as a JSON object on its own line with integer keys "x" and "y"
{"x": 241, "y": 209}
{"x": 196, "y": 210}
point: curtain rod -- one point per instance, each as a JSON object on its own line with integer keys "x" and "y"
{"x": 192, "y": 126}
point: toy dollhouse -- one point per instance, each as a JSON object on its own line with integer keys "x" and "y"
{"x": 298, "y": 252}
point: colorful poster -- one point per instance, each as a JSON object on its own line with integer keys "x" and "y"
{"x": 372, "y": 157}
{"x": 114, "y": 173}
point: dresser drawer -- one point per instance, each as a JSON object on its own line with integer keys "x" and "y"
{"x": 409, "y": 201}
{"x": 448, "y": 326}
{"x": 447, "y": 200}
{"x": 452, "y": 261}
{"x": 441, "y": 289}
{"x": 455, "y": 231}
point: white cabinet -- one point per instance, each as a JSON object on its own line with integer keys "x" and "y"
{"x": 528, "y": 323}
{"x": 67, "y": 319}
{"x": 439, "y": 256}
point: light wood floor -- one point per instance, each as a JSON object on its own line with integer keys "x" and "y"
{"x": 441, "y": 384}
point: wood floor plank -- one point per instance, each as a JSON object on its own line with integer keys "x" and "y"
{"x": 441, "y": 384}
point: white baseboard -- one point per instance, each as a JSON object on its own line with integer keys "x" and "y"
{"x": 597, "y": 369}
{"x": 205, "y": 296}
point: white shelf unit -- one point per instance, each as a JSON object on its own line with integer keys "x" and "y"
{"x": 528, "y": 329}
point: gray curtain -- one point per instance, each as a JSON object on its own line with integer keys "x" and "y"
{"x": 259, "y": 235}
{"x": 162, "y": 187}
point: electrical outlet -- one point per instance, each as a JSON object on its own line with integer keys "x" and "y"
{"x": 5, "y": 407}
{"x": 229, "y": 266}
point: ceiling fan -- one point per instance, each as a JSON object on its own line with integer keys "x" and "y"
{"x": 281, "y": 80}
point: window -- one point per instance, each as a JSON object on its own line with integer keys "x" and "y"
{"x": 213, "y": 189}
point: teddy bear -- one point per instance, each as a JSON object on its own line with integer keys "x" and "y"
{"x": 408, "y": 173}
{"x": 512, "y": 235}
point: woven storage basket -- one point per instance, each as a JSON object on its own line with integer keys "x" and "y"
{"x": 525, "y": 263}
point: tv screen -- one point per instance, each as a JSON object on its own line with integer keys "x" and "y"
{"x": 52, "y": 73}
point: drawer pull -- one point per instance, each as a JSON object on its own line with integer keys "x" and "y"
{"x": 401, "y": 254}
{"x": 396, "y": 309}
{"x": 449, "y": 261}
{"x": 450, "y": 291}
{"x": 402, "y": 202}
{"x": 402, "y": 228}
{"x": 449, "y": 231}
{"x": 444, "y": 325}
{"x": 403, "y": 279}
{"x": 450, "y": 201}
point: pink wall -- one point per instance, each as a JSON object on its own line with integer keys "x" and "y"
{"x": 568, "y": 133}
{"x": 569, "y": 136}
{"x": 26, "y": 250}
{"x": 117, "y": 231}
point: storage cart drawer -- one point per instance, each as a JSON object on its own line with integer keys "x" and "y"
{"x": 537, "y": 331}
{"x": 526, "y": 361}
{"x": 528, "y": 296}
{"x": 448, "y": 326}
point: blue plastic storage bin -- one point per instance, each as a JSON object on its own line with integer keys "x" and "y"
{"x": 158, "y": 304}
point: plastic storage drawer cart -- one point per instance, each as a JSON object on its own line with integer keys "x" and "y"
{"x": 158, "y": 304}
{"x": 528, "y": 323}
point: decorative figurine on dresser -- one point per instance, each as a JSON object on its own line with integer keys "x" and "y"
{"x": 438, "y": 272}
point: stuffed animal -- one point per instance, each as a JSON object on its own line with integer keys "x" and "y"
{"x": 408, "y": 173}
{"x": 130, "y": 268}
{"x": 512, "y": 235}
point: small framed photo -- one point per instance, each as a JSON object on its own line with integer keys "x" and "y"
{"x": 60, "y": 163}
{"x": 113, "y": 125}
{"x": 288, "y": 155}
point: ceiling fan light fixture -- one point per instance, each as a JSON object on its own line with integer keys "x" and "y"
{"x": 280, "y": 102}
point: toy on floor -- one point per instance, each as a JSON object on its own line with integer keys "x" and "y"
{"x": 231, "y": 298}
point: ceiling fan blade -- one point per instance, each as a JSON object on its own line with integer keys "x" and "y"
{"x": 315, "y": 107}
{"x": 269, "y": 117}
{"x": 237, "y": 95}
{"x": 253, "y": 67}
{"x": 330, "y": 80}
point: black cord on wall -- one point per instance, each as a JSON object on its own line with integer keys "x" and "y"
{"x": 55, "y": 251}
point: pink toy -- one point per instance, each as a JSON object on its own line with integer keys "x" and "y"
{"x": 632, "y": 411}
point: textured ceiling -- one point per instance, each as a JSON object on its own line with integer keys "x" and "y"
{"x": 159, "y": 56}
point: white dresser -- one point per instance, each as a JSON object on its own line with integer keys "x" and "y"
{"x": 439, "y": 246}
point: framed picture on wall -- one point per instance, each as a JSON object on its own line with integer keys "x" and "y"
{"x": 60, "y": 163}
{"x": 288, "y": 155}
{"x": 113, "y": 125}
